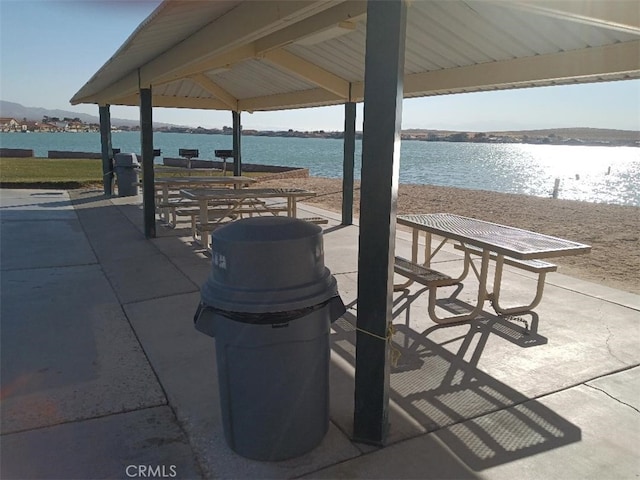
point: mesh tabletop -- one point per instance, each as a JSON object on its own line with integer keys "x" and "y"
{"x": 511, "y": 241}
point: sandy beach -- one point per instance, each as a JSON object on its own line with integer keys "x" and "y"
{"x": 612, "y": 230}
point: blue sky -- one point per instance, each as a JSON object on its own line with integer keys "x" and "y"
{"x": 50, "y": 48}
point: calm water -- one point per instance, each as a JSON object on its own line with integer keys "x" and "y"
{"x": 595, "y": 174}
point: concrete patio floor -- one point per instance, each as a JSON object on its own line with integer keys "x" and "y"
{"x": 104, "y": 376}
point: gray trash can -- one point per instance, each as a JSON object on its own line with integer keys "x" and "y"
{"x": 127, "y": 168}
{"x": 269, "y": 302}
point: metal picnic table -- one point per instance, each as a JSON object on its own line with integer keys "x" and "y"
{"x": 490, "y": 241}
{"x": 236, "y": 199}
{"x": 171, "y": 183}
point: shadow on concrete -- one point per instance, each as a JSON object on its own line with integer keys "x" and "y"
{"x": 84, "y": 197}
{"x": 334, "y": 228}
{"x": 521, "y": 329}
{"x": 438, "y": 384}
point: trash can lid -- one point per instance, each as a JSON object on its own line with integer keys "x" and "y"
{"x": 267, "y": 264}
{"x": 267, "y": 229}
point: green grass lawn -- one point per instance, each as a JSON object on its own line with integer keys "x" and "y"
{"x": 46, "y": 173}
{"x": 61, "y": 173}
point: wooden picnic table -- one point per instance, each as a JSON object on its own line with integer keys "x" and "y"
{"x": 491, "y": 242}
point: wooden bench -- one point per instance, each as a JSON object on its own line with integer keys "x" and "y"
{"x": 421, "y": 274}
{"x": 534, "y": 266}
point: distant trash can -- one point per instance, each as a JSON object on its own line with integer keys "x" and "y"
{"x": 127, "y": 168}
{"x": 269, "y": 302}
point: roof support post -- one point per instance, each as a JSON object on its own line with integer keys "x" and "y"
{"x": 237, "y": 134}
{"x": 384, "y": 69}
{"x": 107, "y": 149}
{"x": 146, "y": 140}
{"x": 348, "y": 162}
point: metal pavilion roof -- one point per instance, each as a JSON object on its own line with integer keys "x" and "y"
{"x": 267, "y": 55}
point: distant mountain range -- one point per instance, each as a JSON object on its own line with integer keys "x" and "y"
{"x": 35, "y": 114}
{"x": 584, "y": 134}
{"x": 19, "y": 112}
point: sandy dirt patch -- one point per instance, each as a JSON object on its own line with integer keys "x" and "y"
{"x": 612, "y": 230}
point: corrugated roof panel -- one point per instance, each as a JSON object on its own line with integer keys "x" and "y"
{"x": 188, "y": 88}
{"x": 450, "y": 34}
{"x": 168, "y": 25}
{"x": 182, "y": 88}
{"x": 179, "y": 20}
{"x": 255, "y": 78}
{"x": 520, "y": 30}
{"x": 577, "y": 35}
{"x": 426, "y": 50}
{"x": 473, "y": 33}
{"x": 442, "y": 35}
{"x": 544, "y": 33}
{"x": 429, "y": 27}
{"x": 343, "y": 56}
{"x": 456, "y": 18}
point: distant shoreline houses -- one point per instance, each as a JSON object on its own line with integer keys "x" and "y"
{"x": 547, "y": 138}
{"x": 47, "y": 125}
{"x": 74, "y": 125}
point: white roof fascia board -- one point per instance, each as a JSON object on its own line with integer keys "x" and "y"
{"x": 123, "y": 87}
{"x": 121, "y": 50}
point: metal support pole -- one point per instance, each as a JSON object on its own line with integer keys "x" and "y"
{"x": 348, "y": 162}
{"x": 384, "y": 69}
{"x": 107, "y": 149}
{"x": 237, "y": 134}
{"x": 146, "y": 139}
